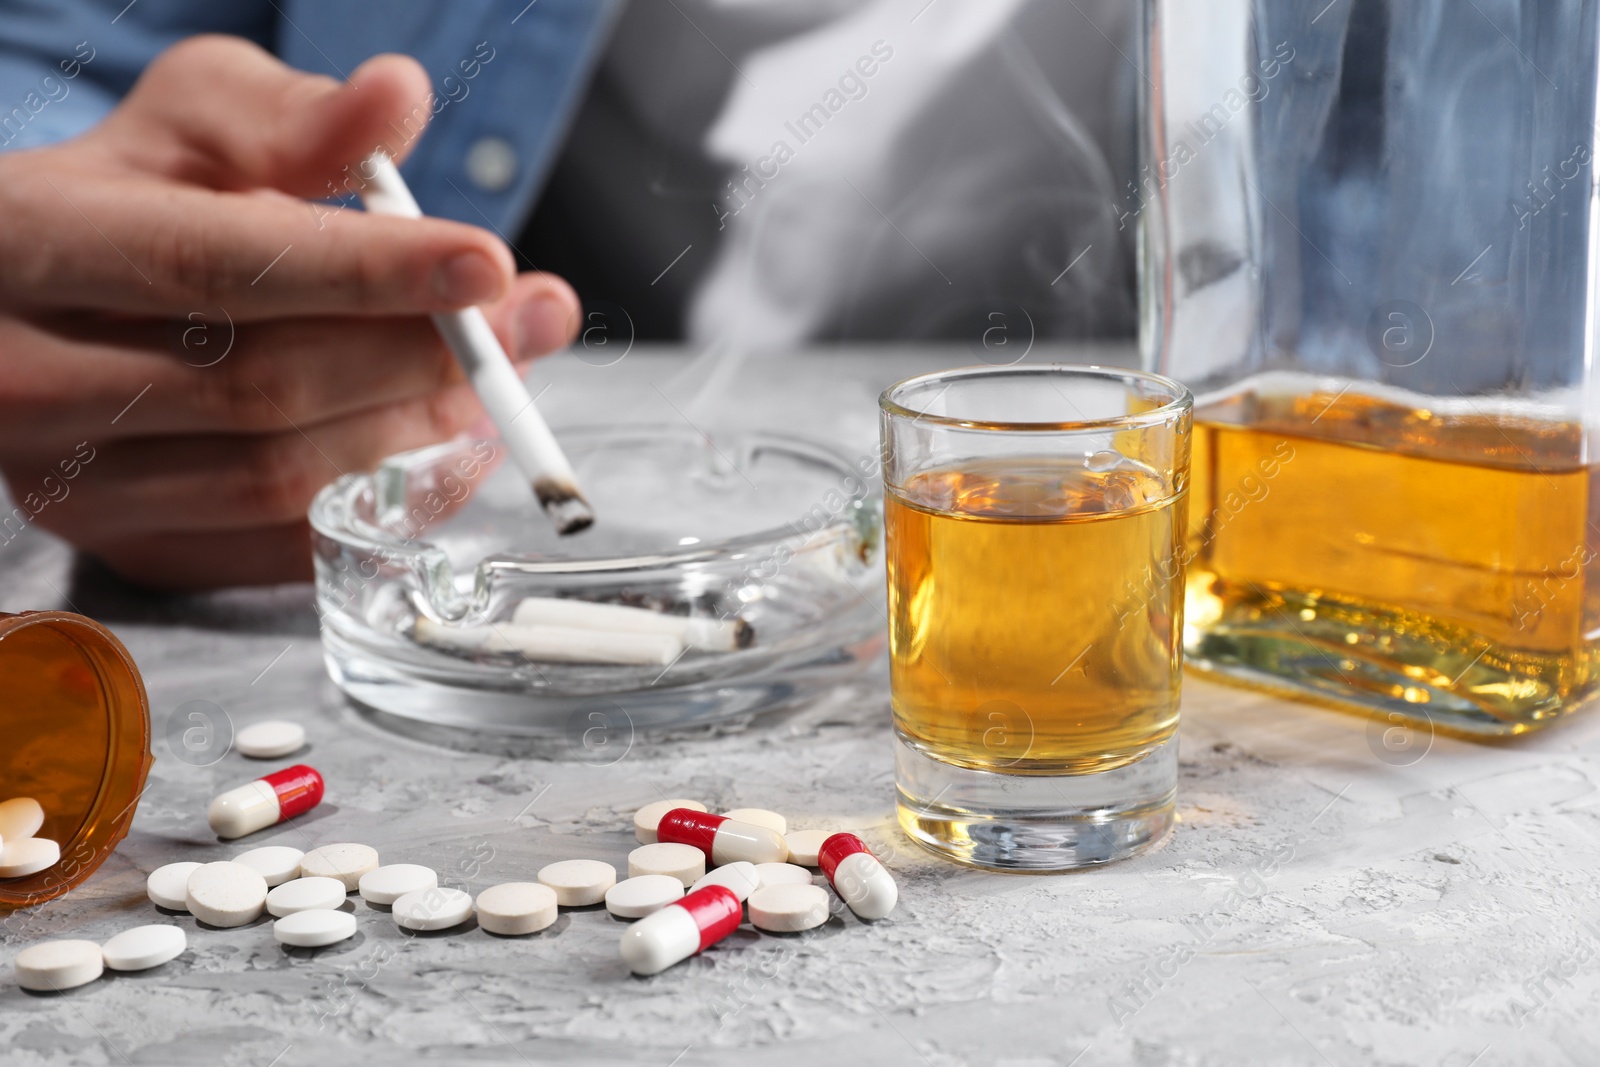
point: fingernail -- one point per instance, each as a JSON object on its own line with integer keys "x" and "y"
{"x": 467, "y": 278}
{"x": 543, "y": 325}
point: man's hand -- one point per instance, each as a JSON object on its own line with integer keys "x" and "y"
{"x": 128, "y": 252}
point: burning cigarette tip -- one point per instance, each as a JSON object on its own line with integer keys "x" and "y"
{"x": 565, "y": 506}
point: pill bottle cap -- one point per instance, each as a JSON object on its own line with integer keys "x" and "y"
{"x": 77, "y": 740}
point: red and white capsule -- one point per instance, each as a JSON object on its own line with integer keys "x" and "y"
{"x": 722, "y": 839}
{"x": 856, "y": 875}
{"x": 681, "y": 929}
{"x": 266, "y": 801}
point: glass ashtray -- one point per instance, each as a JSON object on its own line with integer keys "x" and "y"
{"x": 761, "y": 552}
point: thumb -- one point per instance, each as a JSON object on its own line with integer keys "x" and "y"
{"x": 223, "y": 113}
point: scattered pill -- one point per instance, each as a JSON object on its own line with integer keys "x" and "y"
{"x": 803, "y": 845}
{"x": 277, "y": 863}
{"x": 57, "y": 965}
{"x": 681, "y": 929}
{"x": 578, "y": 883}
{"x": 344, "y": 861}
{"x": 265, "y": 801}
{"x": 306, "y": 894}
{"x": 723, "y": 840}
{"x": 788, "y": 909}
{"x": 20, "y": 817}
{"x": 863, "y": 883}
{"x": 433, "y": 909}
{"x": 30, "y": 855}
{"x": 272, "y": 739}
{"x": 144, "y": 947}
{"x": 740, "y": 877}
{"x": 634, "y": 898}
{"x": 760, "y": 817}
{"x": 168, "y": 886}
{"x": 226, "y": 893}
{"x": 314, "y": 927}
{"x": 782, "y": 874}
{"x": 386, "y": 884}
{"x": 515, "y": 908}
{"x": 648, "y": 817}
{"x": 683, "y": 862}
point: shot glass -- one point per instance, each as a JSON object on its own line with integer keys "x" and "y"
{"x": 1034, "y": 523}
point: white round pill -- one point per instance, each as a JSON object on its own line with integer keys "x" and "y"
{"x": 803, "y": 845}
{"x": 786, "y": 909}
{"x": 144, "y": 947}
{"x": 168, "y": 886}
{"x": 741, "y": 877}
{"x": 386, "y": 884}
{"x": 226, "y": 894}
{"x": 305, "y": 894}
{"x": 433, "y": 909}
{"x": 683, "y": 862}
{"x": 56, "y": 965}
{"x": 277, "y": 863}
{"x": 515, "y": 908}
{"x": 760, "y": 817}
{"x": 634, "y": 898}
{"x": 647, "y": 818}
{"x": 314, "y": 927}
{"x": 346, "y": 862}
{"x": 30, "y": 855}
{"x": 270, "y": 739}
{"x": 782, "y": 874}
{"x": 578, "y": 883}
{"x": 21, "y": 817}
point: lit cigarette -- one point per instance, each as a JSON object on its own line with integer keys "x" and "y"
{"x": 486, "y": 366}
{"x": 554, "y": 644}
{"x": 712, "y": 635}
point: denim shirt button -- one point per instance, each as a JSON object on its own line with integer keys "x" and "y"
{"x": 491, "y": 164}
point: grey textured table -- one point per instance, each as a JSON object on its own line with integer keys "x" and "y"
{"x": 1322, "y": 901}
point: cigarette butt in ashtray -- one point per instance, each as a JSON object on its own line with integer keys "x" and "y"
{"x": 710, "y": 635}
{"x": 554, "y": 644}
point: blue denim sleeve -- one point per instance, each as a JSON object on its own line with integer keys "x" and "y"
{"x": 65, "y": 63}
{"x": 507, "y": 76}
